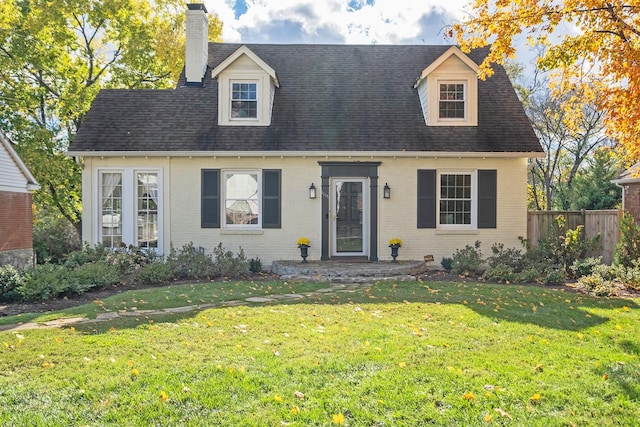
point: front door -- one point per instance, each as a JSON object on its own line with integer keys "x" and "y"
{"x": 349, "y": 207}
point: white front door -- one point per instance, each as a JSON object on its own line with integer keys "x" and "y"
{"x": 349, "y": 217}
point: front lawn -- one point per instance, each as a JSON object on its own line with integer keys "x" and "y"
{"x": 400, "y": 354}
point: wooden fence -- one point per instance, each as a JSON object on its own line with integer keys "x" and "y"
{"x": 606, "y": 224}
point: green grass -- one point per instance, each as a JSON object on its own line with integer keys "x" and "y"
{"x": 388, "y": 354}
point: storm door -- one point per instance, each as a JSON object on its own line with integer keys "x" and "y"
{"x": 349, "y": 217}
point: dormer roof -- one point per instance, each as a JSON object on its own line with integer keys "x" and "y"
{"x": 244, "y": 50}
{"x": 452, "y": 51}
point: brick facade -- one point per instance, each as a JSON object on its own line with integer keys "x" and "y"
{"x": 15, "y": 221}
{"x": 632, "y": 199}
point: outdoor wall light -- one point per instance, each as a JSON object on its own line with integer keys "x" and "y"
{"x": 312, "y": 191}
{"x": 386, "y": 191}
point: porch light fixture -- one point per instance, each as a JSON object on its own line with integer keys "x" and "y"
{"x": 312, "y": 191}
{"x": 386, "y": 191}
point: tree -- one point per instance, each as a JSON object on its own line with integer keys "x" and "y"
{"x": 592, "y": 186}
{"x": 56, "y": 56}
{"x": 568, "y": 140}
{"x": 602, "y": 55}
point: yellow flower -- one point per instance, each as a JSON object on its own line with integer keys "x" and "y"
{"x": 487, "y": 418}
{"x": 295, "y": 410}
{"x": 395, "y": 242}
{"x": 277, "y": 398}
{"x": 469, "y": 396}
{"x": 535, "y": 398}
{"x": 338, "y": 419}
{"x": 163, "y": 396}
{"x": 134, "y": 373}
{"x": 303, "y": 241}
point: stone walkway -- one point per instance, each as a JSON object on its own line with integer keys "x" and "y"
{"x": 341, "y": 277}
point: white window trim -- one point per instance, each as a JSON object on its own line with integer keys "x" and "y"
{"x": 465, "y": 89}
{"x": 223, "y": 204}
{"x": 474, "y": 200}
{"x": 258, "y": 101}
{"x": 129, "y": 205}
{"x": 470, "y": 82}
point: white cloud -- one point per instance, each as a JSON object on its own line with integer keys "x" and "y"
{"x": 336, "y": 21}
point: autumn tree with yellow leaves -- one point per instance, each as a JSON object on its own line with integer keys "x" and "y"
{"x": 593, "y": 45}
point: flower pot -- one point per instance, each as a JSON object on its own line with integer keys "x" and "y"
{"x": 304, "y": 252}
{"x": 394, "y": 252}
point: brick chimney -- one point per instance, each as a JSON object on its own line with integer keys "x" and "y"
{"x": 197, "y": 49}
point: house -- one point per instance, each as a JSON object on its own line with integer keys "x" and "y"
{"x": 16, "y": 216}
{"x": 347, "y": 145}
{"x": 629, "y": 180}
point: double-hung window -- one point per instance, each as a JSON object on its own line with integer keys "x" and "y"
{"x": 244, "y": 100}
{"x": 456, "y": 201}
{"x": 452, "y": 100}
{"x": 242, "y": 199}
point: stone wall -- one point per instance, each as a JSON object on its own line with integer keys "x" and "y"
{"x": 19, "y": 258}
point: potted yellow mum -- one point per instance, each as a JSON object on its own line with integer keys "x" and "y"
{"x": 304, "y": 244}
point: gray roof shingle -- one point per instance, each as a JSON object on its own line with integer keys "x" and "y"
{"x": 331, "y": 98}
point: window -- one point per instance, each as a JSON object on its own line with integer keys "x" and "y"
{"x": 110, "y": 217}
{"x": 147, "y": 197}
{"x": 452, "y": 101}
{"x": 249, "y": 199}
{"x": 130, "y": 208}
{"x": 244, "y": 100}
{"x": 455, "y": 199}
{"x": 242, "y": 199}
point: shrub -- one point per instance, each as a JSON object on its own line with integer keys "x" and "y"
{"x": 501, "y": 273}
{"x": 154, "y": 272}
{"x": 54, "y": 238}
{"x": 229, "y": 265}
{"x": 501, "y": 256}
{"x": 628, "y": 247}
{"x": 528, "y": 275}
{"x": 447, "y": 263}
{"x": 468, "y": 261}
{"x": 595, "y": 284}
{"x": 584, "y": 267}
{"x": 553, "y": 277}
{"x": 44, "y": 281}
{"x": 93, "y": 275}
{"x": 190, "y": 263}
{"x": 10, "y": 279}
{"x": 128, "y": 259}
{"x": 85, "y": 255}
{"x": 255, "y": 265}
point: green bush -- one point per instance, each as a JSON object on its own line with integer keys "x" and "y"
{"x": 447, "y": 263}
{"x": 93, "y": 275}
{"x": 597, "y": 285}
{"x": 54, "y": 238}
{"x": 553, "y": 277}
{"x": 628, "y": 247}
{"x": 128, "y": 259}
{"x": 44, "y": 281}
{"x": 501, "y": 273}
{"x": 229, "y": 265}
{"x": 468, "y": 261}
{"x": 528, "y": 275}
{"x": 10, "y": 279}
{"x": 154, "y": 272}
{"x": 190, "y": 263}
{"x": 255, "y": 265}
{"x": 85, "y": 255}
{"x": 584, "y": 267}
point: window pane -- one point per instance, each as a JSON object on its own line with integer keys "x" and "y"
{"x": 452, "y": 101}
{"x": 147, "y": 203}
{"x": 111, "y": 208}
{"x": 455, "y": 199}
{"x": 244, "y": 100}
{"x": 242, "y": 198}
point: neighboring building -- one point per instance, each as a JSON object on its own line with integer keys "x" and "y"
{"x": 260, "y": 144}
{"x": 16, "y": 215}
{"x": 629, "y": 180}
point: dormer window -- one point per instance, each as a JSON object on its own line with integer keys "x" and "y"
{"x": 452, "y": 100}
{"x": 244, "y": 100}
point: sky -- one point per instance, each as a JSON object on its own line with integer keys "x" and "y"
{"x": 337, "y": 21}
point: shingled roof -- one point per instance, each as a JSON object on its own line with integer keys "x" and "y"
{"x": 331, "y": 98}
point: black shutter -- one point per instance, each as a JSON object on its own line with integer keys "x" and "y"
{"x": 210, "y": 200}
{"x": 271, "y": 198}
{"x": 487, "y": 193}
{"x": 427, "y": 198}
